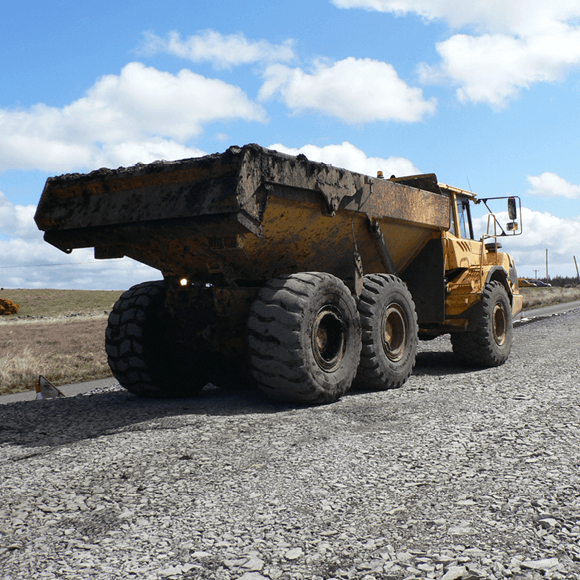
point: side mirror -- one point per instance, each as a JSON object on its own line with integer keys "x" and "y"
{"x": 512, "y": 208}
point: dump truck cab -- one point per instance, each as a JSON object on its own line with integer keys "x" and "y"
{"x": 448, "y": 280}
{"x": 472, "y": 264}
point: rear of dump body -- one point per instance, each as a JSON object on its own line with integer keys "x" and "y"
{"x": 244, "y": 216}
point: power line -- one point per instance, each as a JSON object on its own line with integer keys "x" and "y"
{"x": 51, "y": 265}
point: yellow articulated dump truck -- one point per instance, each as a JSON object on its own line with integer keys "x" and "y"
{"x": 299, "y": 276}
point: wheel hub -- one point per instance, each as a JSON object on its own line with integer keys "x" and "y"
{"x": 499, "y": 322}
{"x": 394, "y": 332}
{"x": 328, "y": 338}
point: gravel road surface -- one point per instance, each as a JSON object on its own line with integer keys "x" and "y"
{"x": 462, "y": 473}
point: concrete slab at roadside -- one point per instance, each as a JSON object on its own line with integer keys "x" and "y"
{"x": 559, "y": 308}
{"x": 67, "y": 390}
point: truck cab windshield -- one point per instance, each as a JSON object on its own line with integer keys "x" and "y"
{"x": 465, "y": 228}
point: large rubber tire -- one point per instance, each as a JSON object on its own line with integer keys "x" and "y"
{"x": 304, "y": 338}
{"x": 140, "y": 349}
{"x": 389, "y": 333}
{"x": 489, "y": 345}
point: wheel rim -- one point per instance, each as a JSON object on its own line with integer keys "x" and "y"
{"x": 328, "y": 338}
{"x": 394, "y": 332}
{"x": 499, "y": 324}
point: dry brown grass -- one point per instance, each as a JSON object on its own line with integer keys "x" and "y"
{"x": 64, "y": 350}
{"x": 538, "y": 297}
{"x": 42, "y": 340}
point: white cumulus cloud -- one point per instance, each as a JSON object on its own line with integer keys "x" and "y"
{"x": 27, "y": 261}
{"x": 353, "y": 90}
{"x": 518, "y": 43}
{"x": 34, "y": 264}
{"x": 494, "y": 68}
{"x": 541, "y": 231}
{"x": 348, "y": 156}
{"x": 140, "y": 115}
{"x": 518, "y": 16}
{"x": 223, "y": 51}
{"x": 16, "y": 220}
{"x": 552, "y": 185}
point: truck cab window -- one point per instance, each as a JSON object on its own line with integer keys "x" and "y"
{"x": 464, "y": 219}
{"x": 465, "y": 229}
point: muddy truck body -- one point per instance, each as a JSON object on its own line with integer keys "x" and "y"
{"x": 298, "y": 276}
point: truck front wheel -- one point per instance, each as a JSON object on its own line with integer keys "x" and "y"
{"x": 304, "y": 338}
{"x": 140, "y": 346}
{"x": 389, "y": 333}
{"x": 489, "y": 345}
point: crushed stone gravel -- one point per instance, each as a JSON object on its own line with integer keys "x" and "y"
{"x": 461, "y": 474}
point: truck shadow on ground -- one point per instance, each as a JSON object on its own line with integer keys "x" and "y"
{"x": 441, "y": 364}
{"x": 56, "y": 422}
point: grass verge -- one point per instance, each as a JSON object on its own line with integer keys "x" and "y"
{"x": 538, "y": 297}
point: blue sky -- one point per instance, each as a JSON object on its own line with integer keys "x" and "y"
{"x": 484, "y": 94}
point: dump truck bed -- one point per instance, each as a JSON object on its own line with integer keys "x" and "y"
{"x": 247, "y": 214}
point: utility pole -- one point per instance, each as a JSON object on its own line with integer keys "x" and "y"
{"x": 535, "y": 274}
{"x": 577, "y": 273}
{"x": 547, "y": 277}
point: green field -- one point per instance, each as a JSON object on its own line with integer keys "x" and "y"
{"x": 47, "y": 302}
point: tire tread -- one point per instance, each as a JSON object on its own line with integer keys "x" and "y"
{"x": 275, "y": 344}
{"x": 477, "y": 347}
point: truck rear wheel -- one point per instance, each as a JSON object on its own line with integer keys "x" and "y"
{"x": 489, "y": 345}
{"x": 304, "y": 338}
{"x": 389, "y": 333}
{"x": 140, "y": 347}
